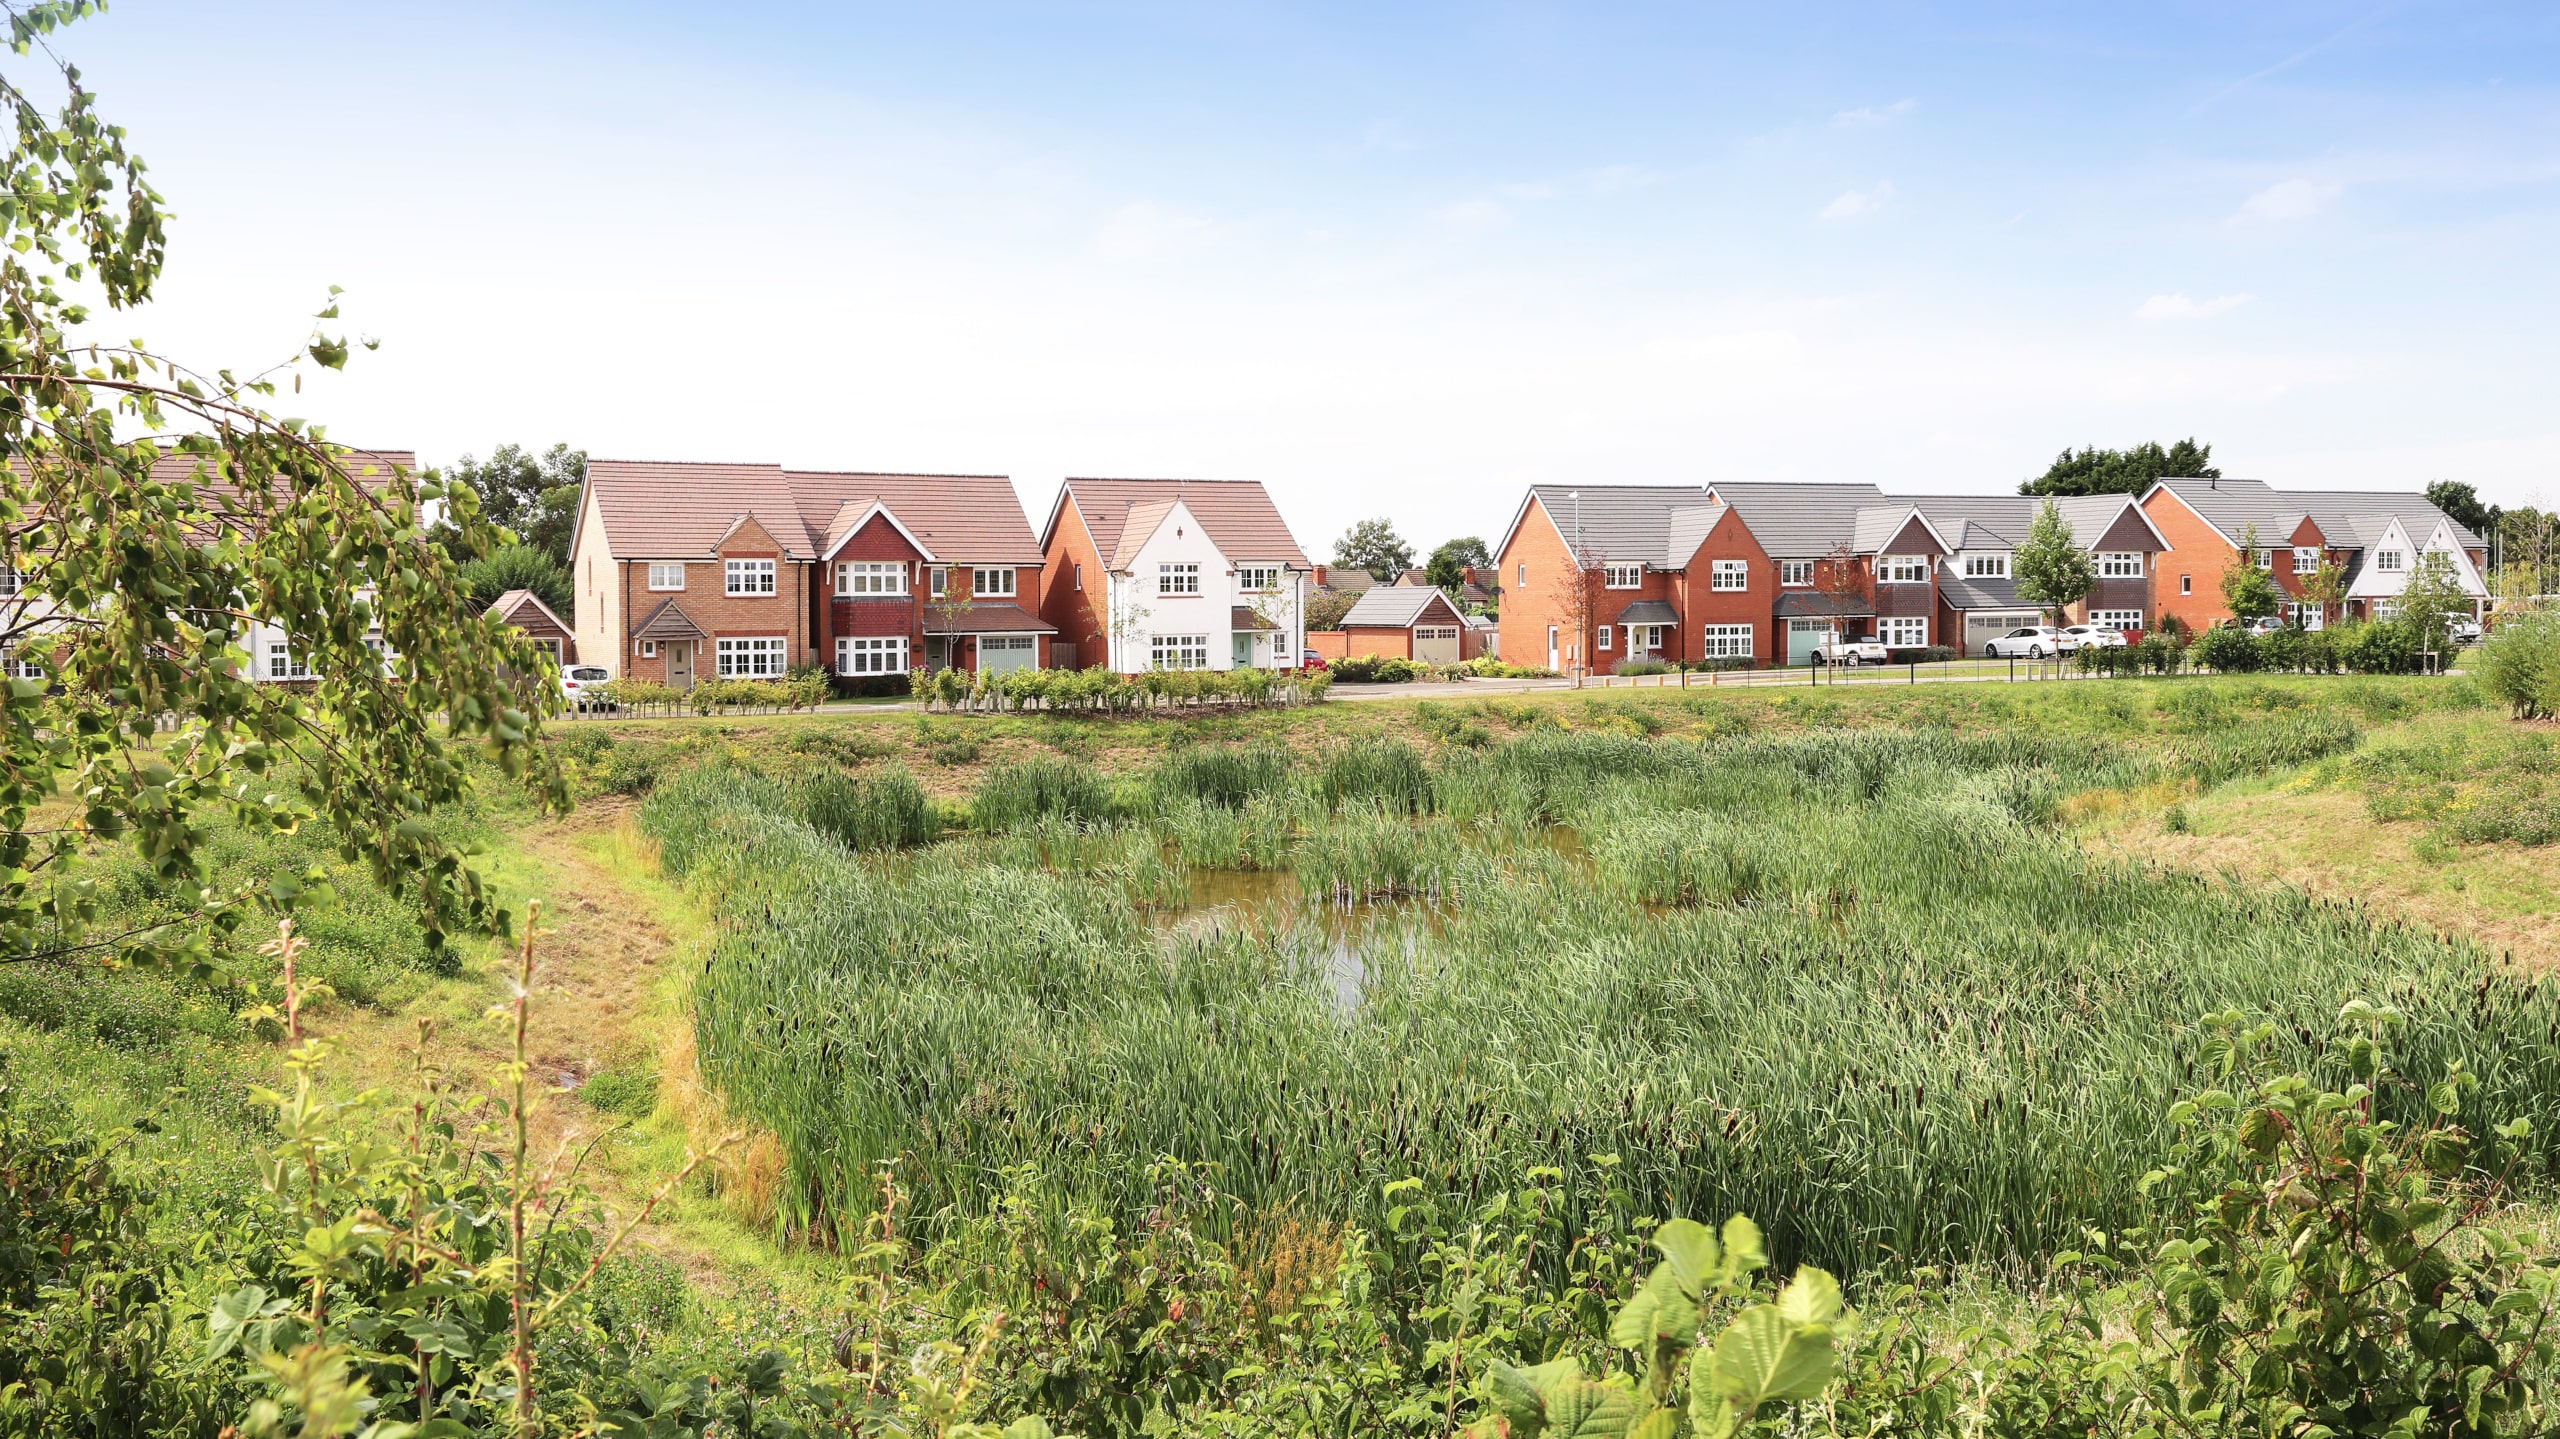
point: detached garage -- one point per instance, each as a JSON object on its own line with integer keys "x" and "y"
{"x": 1411, "y": 622}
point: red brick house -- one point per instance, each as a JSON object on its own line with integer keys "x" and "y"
{"x": 2374, "y": 537}
{"x": 693, "y": 571}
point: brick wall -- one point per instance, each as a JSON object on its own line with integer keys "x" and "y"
{"x": 1076, "y": 611}
{"x": 1530, "y": 605}
{"x": 1332, "y": 644}
{"x": 1701, "y": 603}
{"x": 2198, "y": 554}
{"x": 873, "y": 616}
{"x": 1380, "y": 640}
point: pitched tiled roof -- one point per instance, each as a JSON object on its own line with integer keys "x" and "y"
{"x": 1246, "y": 617}
{"x": 2347, "y": 518}
{"x": 1626, "y": 523}
{"x": 1688, "y": 529}
{"x": 1395, "y": 607}
{"x": 668, "y": 622}
{"x": 2000, "y": 522}
{"x": 668, "y": 510}
{"x": 524, "y": 609}
{"x": 1648, "y": 612}
{"x": 1238, "y": 514}
{"x": 1958, "y": 592}
{"x": 1796, "y": 520}
{"x": 960, "y": 519}
{"x": 983, "y": 619}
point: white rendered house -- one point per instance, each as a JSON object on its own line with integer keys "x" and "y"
{"x": 1175, "y": 574}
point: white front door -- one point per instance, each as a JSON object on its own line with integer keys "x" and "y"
{"x": 1554, "y": 660}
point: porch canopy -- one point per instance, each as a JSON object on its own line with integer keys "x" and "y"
{"x": 668, "y": 622}
{"x": 1648, "y": 612}
{"x": 1815, "y": 605}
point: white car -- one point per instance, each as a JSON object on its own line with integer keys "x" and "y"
{"x": 2465, "y": 632}
{"x": 2098, "y": 635}
{"x": 2031, "y": 642}
{"x": 576, "y": 680}
{"x": 2262, "y": 625}
{"x": 1851, "y": 652}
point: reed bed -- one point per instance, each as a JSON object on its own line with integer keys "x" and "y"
{"x": 1928, "y": 1030}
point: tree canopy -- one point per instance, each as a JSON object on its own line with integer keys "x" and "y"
{"x": 1448, "y": 565}
{"x": 520, "y": 567}
{"x": 2248, "y": 591}
{"x": 155, "y": 514}
{"x": 2432, "y": 599}
{"x": 2464, "y": 505}
{"x": 535, "y": 497}
{"x": 1373, "y": 545}
{"x": 2092, "y": 471}
{"x": 2051, "y": 570}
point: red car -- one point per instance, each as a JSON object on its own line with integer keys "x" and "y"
{"x": 1310, "y": 660}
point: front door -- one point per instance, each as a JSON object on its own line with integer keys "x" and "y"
{"x": 679, "y": 663}
{"x": 1554, "y": 660}
{"x": 1244, "y": 649}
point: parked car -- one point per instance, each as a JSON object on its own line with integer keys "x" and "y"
{"x": 2098, "y": 635}
{"x": 2030, "y": 642}
{"x": 1837, "y": 651}
{"x": 577, "y": 680}
{"x": 1310, "y": 660}
{"x": 2262, "y": 625}
{"x": 2465, "y": 632}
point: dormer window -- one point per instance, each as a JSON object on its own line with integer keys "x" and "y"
{"x": 1987, "y": 565}
{"x": 1622, "y": 577}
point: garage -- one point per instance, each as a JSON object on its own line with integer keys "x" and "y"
{"x": 1005, "y": 636}
{"x": 999, "y": 653}
{"x": 1436, "y": 644}
{"x": 1406, "y": 622}
{"x": 1982, "y": 627}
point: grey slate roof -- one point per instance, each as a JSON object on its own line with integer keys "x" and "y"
{"x": 1878, "y": 525}
{"x": 2000, "y": 522}
{"x": 1795, "y": 520}
{"x": 2349, "y": 518}
{"x": 1648, "y": 612}
{"x": 1957, "y": 592}
{"x": 1625, "y": 523}
{"x": 1395, "y": 607}
{"x": 1689, "y": 529}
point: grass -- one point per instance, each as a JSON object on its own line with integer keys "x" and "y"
{"x": 1856, "y": 982}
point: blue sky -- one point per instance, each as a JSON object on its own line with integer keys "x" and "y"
{"x": 1389, "y": 259}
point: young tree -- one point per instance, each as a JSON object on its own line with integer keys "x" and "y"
{"x": 536, "y": 498}
{"x": 1835, "y": 578}
{"x": 2249, "y": 592}
{"x": 2092, "y": 471}
{"x": 1374, "y": 545}
{"x": 2326, "y": 587}
{"x": 1582, "y": 613}
{"x": 2051, "y": 570}
{"x": 2432, "y": 599}
{"x": 154, "y": 514}
{"x": 1448, "y": 565}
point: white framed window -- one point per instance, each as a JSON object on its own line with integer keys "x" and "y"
{"x": 1726, "y": 642}
{"x": 1795, "y": 573}
{"x": 2306, "y": 558}
{"x": 1987, "y": 565}
{"x": 753, "y": 657}
{"x": 1079, "y": 577}
{"x": 1730, "y": 575}
{"x": 1600, "y": 638}
{"x": 28, "y": 665}
{"x": 1903, "y": 631}
{"x": 938, "y": 582}
{"x": 1524, "y": 572}
{"x": 648, "y": 649}
{"x": 2186, "y": 584}
{"x": 2116, "y": 619}
{"x": 2386, "y": 609}
{"x": 2390, "y": 561}
{"x": 666, "y": 577}
{"x": 1622, "y": 577}
{"x": 2263, "y": 559}
{"x": 2120, "y": 564}
{"x": 871, "y": 577}
{"x": 283, "y": 665}
{"x": 1902, "y": 569}
{"x": 11, "y": 583}
{"x": 1180, "y": 652}
{"x": 1257, "y": 579}
{"x": 992, "y": 584}
{"x": 871, "y": 654}
{"x": 749, "y": 577}
{"x": 1178, "y": 577}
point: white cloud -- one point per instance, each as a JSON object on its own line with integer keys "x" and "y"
{"x": 1875, "y": 114}
{"x": 2288, "y": 200}
{"x": 1472, "y": 214}
{"x": 1145, "y": 232}
{"x": 2178, "y": 306}
{"x": 1854, "y": 204}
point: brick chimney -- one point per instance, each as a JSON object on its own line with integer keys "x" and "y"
{"x": 1320, "y": 575}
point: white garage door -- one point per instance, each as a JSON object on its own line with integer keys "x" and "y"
{"x": 998, "y": 653}
{"x": 1981, "y": 628}
{"x": 1436, "y": 644}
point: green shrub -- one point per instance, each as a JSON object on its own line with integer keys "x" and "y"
{"x": 1222, "y": 775}
{"x": 1376, "y": 669}
{"x": 2227, "y": 649}
{"x": 1642, "y": 667}
{"x": 2519, "y": 663}
{"x": 2371, "y": 647}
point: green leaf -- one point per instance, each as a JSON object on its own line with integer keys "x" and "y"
{"x": 1660, "y": 1424}
{"x": 1744, "y": 1254}
{"x": 1812, "y": 1297}
{"x": 1691, "y": 1248}
{"x": 1515, "y": 1395}
{"x": 1584, "y": 1410}
{"x": 1029, "y": 1426}
{"x": 1761, "y": 1357}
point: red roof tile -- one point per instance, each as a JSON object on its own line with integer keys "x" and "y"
{"x": 657, "y": 509}
{"x": 1238, "y": 514}
{"x": 960, "y": 519}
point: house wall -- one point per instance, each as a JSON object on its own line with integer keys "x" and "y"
{"x": 600, "y": 617}
{"x": 2197, "y": 553}
{"x": 1701, "y": 604}
{"x": 875, "y": 616}
{"x": 1901, "y": 598}
{"x": 2305, "y": 533}
{"x": 1076, "y": 610}
{"x": 1179, "y": 539}
{"x": 1546, "y": 597}
{"x": 1379, "y": 640}
{"x": 1332, "y": 644}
